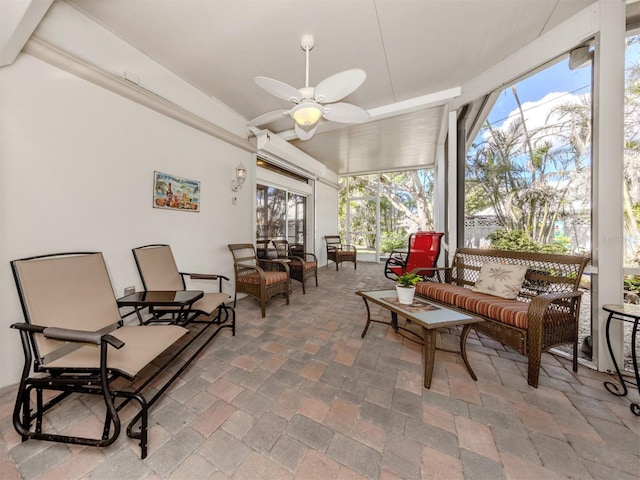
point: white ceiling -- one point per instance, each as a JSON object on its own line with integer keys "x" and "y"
{"x": 409, "y": 48}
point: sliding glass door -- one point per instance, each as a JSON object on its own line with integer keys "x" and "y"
{"x": 280, "y": 215}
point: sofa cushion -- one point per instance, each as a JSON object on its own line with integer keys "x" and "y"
{"x": 303, "y": 265}
{"x": 442, "y": 292}
{"x": 502, "y": 280}
{"x": 511, "y": 312}
{"x": 271, "y": 278}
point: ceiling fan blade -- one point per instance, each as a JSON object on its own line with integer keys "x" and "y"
{"x": 305, "y": 134}
{"x": 268, "y": 117}
{"x": 278, "y": 89}
{"x": 345, "y": 113}
{"x": 338, "y": 86}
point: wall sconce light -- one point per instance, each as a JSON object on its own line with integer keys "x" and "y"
{"x": 241, "y": 176}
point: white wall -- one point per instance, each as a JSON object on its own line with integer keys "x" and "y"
{"x": 326, "y": 218}
{"x": 76, "y": 167}
{"x": 77, "y": 163}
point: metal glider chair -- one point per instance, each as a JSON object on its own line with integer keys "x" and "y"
{"x": 339, "y": 252}
{"x": 302, "y": 265}
{"x": 159, "y": 272}
{"x": 261, "y": 279}
{"x": 74, "y": 342}
{"x": 422, "y": 253}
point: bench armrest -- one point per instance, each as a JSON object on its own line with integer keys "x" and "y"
{"x": 70, "y": 335}
{"x": 82, "y": 336}
{"x": 204, "y": 276}
{"x": 547, "y": 304}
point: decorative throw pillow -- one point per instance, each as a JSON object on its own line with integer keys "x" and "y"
{"x": 501, "y": 280}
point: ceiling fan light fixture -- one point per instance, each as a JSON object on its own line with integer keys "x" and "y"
{"x": 307, "y": 114}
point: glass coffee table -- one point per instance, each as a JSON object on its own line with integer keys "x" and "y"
{"x": 427, "y": 317}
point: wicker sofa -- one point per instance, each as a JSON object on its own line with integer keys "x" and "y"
{"x": 543, "y": 314}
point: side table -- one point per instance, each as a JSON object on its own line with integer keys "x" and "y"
{"x": 630, "y": 314}
{"x": 180, "y": 299}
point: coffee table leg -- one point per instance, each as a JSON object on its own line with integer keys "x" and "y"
{"x": 463, "y": 350}
{"x": 366, "y": 327}
{"x": 428, "y": 354}
{"x": 394, "y": 321}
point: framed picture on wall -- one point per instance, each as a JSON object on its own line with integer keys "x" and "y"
{"x": 175, "y": 193}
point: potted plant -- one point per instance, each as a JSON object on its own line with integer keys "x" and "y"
{"x": 406, "y": 287}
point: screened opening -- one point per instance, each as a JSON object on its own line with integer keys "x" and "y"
{"x": 528, "y": 172}
{"x": 631, "y": 185}
{"x": 377, "y": 212}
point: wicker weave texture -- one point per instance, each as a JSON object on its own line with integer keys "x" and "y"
{"x": 550, "y": 287}
{"x": 270, "y": 279}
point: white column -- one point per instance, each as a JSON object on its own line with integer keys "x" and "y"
{"x": 608, "y": 123}
{"x": 452, "y": 206}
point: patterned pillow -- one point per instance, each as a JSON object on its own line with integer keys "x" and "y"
{"x": 501, "y": 280}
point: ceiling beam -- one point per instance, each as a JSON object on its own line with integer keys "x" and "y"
{"x": 18, "y": 20}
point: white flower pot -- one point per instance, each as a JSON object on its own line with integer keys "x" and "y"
{"x": 405, "y": 294}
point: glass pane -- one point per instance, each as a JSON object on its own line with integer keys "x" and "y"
{"x": 295, "y": 219}
{"x": 362, "y": 231}
{"x": 363, "y": 186}
{"x": 406, "y": 206}
{"x": 528, "y": 175}
{"x": 342, "y": 207}
{"x": 271, "y": 207}
{"x": 631, "y": 185}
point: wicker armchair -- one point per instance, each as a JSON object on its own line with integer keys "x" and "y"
{"x": 340, "y": 252}
{"x": 253, "y": 279}
{"x": 302, "y": 265}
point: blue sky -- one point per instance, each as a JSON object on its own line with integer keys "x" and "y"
{"x": 557, "y": 78}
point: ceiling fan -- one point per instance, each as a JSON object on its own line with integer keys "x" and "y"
{"x": 311, "y": 104}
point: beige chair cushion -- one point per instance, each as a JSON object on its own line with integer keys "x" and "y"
{"x": 208, "y": 303}
{"x": 158, "y": 268}
{"x": 142, "y": 344}
{"x": 71, "y": 292}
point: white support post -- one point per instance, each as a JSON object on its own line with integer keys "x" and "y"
{"x": 452, "y": 202}
{"x": 608, "y": 136}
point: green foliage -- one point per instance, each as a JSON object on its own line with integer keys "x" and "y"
{"x": 392, "y": 241}
{"x": 408, "y": 279}
{"x": 475, "y": 199}
{"x": 518, "y": 240}
{"x": 405, "y": 203}
{"x": 632, "y": 283}
{"x": 636, "y": 214}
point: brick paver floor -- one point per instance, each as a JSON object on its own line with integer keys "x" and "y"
{"x": 300, "y": 395}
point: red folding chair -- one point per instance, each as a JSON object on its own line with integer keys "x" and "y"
{"x": 423, "y": 252}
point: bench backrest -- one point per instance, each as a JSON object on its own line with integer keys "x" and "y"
{"x": 546, "y": 273}
{"x": 70, "y": 290}
{"x": 157, "y": 268}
